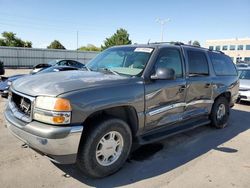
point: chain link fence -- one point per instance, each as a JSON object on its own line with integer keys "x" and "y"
{"x": 15, "y": 57}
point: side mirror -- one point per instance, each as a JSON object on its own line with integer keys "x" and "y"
{"x": 163, "y": 74}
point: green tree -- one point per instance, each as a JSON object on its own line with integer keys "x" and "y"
{"x": 196, "y": 43}
{"x": 10, "y": 39}
{"x": 89, "y": 47}
{"x": 121, "y": 37}
{"x": 56, "y": 45}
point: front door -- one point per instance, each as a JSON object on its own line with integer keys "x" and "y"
{"x": 165, "y": 99}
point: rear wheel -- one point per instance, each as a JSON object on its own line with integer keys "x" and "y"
{"x": 105, "y": 148}
{"x": 220, "y": 113}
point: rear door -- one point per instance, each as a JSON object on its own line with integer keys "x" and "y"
{"x": 199, "y": 83}
{"x": 165, "y": 99}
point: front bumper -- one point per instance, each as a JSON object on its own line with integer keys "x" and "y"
{"x": 4, "y": 93}
{"x": 244, "y": 95}
{"x": 58, "y": 143}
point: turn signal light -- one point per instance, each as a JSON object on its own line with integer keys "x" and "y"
{"x": 62, "y": 105}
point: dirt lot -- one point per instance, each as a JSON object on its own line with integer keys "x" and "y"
{"x": 204, "y": 157}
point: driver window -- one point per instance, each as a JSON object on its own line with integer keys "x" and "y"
{"x": 62, "y": 63}
{"x": 170, "y": 58}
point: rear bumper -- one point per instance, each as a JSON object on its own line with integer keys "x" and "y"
{"x": 60, "y": 144}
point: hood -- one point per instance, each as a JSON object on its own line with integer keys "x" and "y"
{"x": 56, "y": 83}
{"x": 244, "y": 83}
{"x": 14, "y": 77}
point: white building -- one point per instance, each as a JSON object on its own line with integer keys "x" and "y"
{"x": 238, "y": 48}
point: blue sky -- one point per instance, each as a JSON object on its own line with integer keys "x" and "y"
{"x": 42, "y": 21}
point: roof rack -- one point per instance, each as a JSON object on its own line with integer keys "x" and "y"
{"x": 182, "y": 44}
{"x": 174, "y": 43}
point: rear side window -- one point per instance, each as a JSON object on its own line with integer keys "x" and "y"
{"x": 197, "y": 63}
{"x": 223, "y": 65}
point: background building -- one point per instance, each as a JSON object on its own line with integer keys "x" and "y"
{"x": 238, "y": 48}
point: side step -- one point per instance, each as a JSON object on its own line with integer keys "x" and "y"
{"x": 163, "y": 133}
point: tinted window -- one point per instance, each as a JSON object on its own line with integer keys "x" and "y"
{"x": 223, "y": 65}
{"x": 247, "y": 47}
{"x": 75, "y": 64}
{"x": 62, "y": 63}
{"x": 170, "y": 58}
{"x": 197, "y": 62}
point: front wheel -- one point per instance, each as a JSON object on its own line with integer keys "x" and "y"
{"x": 220, "y": 113}
{"x": 105, "y": 148}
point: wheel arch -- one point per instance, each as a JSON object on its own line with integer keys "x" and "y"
{"x": 126, "y": 113}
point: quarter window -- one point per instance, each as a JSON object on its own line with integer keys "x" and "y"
{"x": 198, "y": 64}
{"x": 170, "y": 58}
{"x": 223, "y": 65}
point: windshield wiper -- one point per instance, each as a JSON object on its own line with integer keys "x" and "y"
{"x": 110, "y": 70}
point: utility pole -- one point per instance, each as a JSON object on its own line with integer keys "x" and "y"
{"x": 162, "y": 22}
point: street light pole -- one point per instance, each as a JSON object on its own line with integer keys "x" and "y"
{"x": 162, "y": 22}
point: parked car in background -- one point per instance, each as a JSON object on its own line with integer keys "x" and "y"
{"x": 134, "y": 94}
{"x": 241, "y": 65}
{"x": 7, "y": 81}
{"x": 2, "y": 71}
{"x": 61, "y": 62}
{"x": 244, "y": 90}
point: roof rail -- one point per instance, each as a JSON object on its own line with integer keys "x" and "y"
{"x": 218, "y": 51}
{"x": 173, "y": 42}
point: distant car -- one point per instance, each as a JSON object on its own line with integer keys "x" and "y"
{"x": 7, "y": 81}
{"x": 2, "y": 71}
{"x": 61, "y": 62}
{"x": 244, "y": 89}
{"x": 242, "y": 65}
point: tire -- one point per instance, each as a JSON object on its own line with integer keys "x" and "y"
{"x": 98, "y": 166}
{"x": 237, "y": 101}
{"x": 219, "y": 120}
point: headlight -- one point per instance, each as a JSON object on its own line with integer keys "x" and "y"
{"x": 52, "y": 110}
{"x": 9, "y": 83}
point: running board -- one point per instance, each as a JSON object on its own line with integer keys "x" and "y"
{"x": 161, "y": 134}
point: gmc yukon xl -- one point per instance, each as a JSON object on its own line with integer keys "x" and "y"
{"x": 128, "y": 94}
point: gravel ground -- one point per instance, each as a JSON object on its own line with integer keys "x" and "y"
{"x": 203, "y": 157}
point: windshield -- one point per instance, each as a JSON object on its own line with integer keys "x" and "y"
{"x": 53, "y": 62}
{"x": 121, "y": 60}
{"x": 244, "y": 74}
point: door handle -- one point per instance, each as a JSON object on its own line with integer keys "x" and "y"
{"x": 208, "y": 85}
{"x": 182, "y": 88}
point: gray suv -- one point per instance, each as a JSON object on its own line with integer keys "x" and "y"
{"x": 133, "y": 94}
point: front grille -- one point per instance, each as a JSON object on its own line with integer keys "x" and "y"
{"x": 23, "y": 104}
